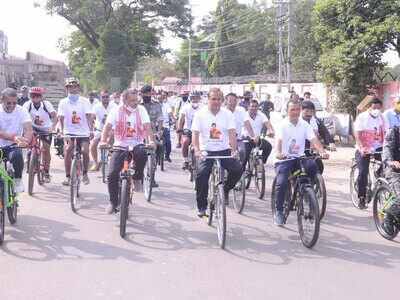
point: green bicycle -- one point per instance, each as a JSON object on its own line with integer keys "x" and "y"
{"x": 9, "y": 195}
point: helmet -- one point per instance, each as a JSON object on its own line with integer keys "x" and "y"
{"x": 36, "y": 90}
{"x": 24, "y": 88}
{"x": 307, "y": 104}
{"x": 195, "y": 94}
{"x": 71, "y": 81}
{"x": 146, "y": 89}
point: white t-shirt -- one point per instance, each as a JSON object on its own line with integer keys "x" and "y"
{"x": 213, "y": 129}
{"x": 241, "y": 116}
{"x": 131, "y": 139}
{"x": 172, "y": 101}
{"x": 101, "y": 114}
{"x": 95, "y": 102}
{"x": 116, "y": 101}
{"x": 166, "y": 110}
{"x": 75, "y": 120}
{"x": 188, "y": 111}
{"x": 294, "y": 137}
{"x": 371, "y": 129}
{"x": 40, "y": 118}
{"x": 13, "y": 123}
{"x": 257, "y": 123}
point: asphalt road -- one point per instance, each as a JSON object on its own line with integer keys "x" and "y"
{"x": 53, "y": 253}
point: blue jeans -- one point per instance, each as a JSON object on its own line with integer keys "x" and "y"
{"x": 283, "y": 170}
{"x": 16, "y": 159}
{"x": 167, "y": 141}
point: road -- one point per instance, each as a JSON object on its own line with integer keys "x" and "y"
{"x": 169, "y": 253}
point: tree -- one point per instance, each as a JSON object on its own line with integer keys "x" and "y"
{"x": 155, "y": 69}
{"x": 182, "y": 57}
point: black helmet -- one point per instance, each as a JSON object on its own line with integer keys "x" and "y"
{"x": 307, "y": 105}
{"x": 146, "y": 89}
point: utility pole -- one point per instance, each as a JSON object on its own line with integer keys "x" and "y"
{"x": 190, "y": 61}
{"x": 289, "y": 57}
{"x": 280, "y": 44}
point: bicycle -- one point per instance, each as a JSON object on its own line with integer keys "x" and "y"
{"x": 255, "y": 168}
{"x": 382, "y": 197}
{"x": 76, "y": 171}
{"x": 300, "y": 197}
{"x": 8, "y": 193}
{"x": 160, "y": 153}
{"x": 192, "y": 166}
{"x": 104, "y": 156}
{"x": 319, "y": 184}
{"x": 215, "y": 199}
{"x": 239, "y": 195}
{"x": 35, "y": 161}
{"x": 374, "y": 166}
{"x": 148, "y": 176}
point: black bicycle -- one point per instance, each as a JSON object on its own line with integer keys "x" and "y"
{"x": 300, "y": 197}
{"x": 192, "y": 166}
{"x": 104, "y": 157}
{"x": 148, "y": 179}
{"x": 255, "y": 169}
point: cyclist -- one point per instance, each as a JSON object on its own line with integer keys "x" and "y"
{"x": 185, "y": 124}
{"x": 24, "y": 95}
{"x": 100, "y": 111}
{"x": 247, "y": 97}
{"x": 290, "y": 143}
{"x": 131, "y": 125}
{"x": 167, "y": 118}
{"x": 93, "y": 99}
{"x": 44, "y": 120}
{"x": 116, "y": 98}
{"x": 267, "y": 106}
{"x": 258, "y": 120}
{"x": 214, "y": 131}
{"x": 180, "y": 103}
{"x": 369, "y": 130}
{"x": 15, "y": 128}
{"x": 75, "y": 116}
{"x": 392, "y": 116}
{"x": 154, "y": 110}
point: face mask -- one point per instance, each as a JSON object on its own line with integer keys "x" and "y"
{"x": 184, "y": 98}
{"x": 146, "y": 99}
{"x": 374, "y": 112}
{"x": 73, "y": 97}
{"x": 195, "y": 105}
{"x": 130, "y": 109}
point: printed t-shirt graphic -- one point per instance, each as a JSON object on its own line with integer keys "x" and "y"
{"x": 215, "y": 134}
{"x": 130, "y": 131}
{"x": 293, "y": 147}
{"x": 37, "y": 121}
{"x": 75, "y": 118}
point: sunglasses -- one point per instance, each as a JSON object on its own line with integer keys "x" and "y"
{"x": 105, "y": 97}
{"x": 36, "y": 96}
{"x": 73, "y": 86}
{"x": 11, "y": 103}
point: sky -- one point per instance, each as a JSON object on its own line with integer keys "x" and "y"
{"x": 31, "y": 29}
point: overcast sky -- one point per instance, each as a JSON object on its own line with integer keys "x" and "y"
{"x": 30, "y": 29}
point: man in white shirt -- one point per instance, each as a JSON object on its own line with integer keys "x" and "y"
{"x": 290, "y": 143}
{"x": 185, "y": 124}
{"x": 44, "y": 121}
{"x": 131, "y": 124}
{"x": 167, "y": 117}
{"x": 369, "y": 127}
{"x": 75, "y": 115}
{"x": 214, "y": 132}
{"x": 15, "y": 128}
{"x": 100, "y": 112}
{"x": 93, "y": 100}
{"x": 116, "y": 98}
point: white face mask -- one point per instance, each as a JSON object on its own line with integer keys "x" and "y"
{"x": 130, "y": 109}
{"x": 195, "y": 105}
{"x": 374, "y": 112}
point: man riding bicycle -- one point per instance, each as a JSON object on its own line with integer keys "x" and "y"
{"x": 214, "y": 132}
{"x": 369, "y": 130}
{"x": 44, "y": 121}
{"x": 75, "y": 117}
{"x": 131, "y": 125}
{"x": 185, "y": 124}
{"x": 15, "y": 128}
{"x": 179, "y": 104}
{"x": 290, "y": 143}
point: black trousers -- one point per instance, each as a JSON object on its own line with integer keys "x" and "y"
{"x": 116, "y": 165}
{"x": 363, "y": 170}
{"x": 231, "y": 165}
{"x": 394, "y": 181}
{"x": 266, "y": 151}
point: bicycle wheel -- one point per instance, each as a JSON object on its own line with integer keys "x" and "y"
{"x": 220, "y": 216}
{"x": 248, "y": 173}
{"x": 125, "y": 195}
{"x": 161, "y": 154}
{"x": 104, "y": 165}
{"x": 259, "y": 178}
{"x": 12, "y": 208}
{"x": 211, "y": 198}
{"x": 354, "y": 185}
{"x": 148, "y": 179}
{"x": 31, "y": 172}
{"x": 308, "y": 217}
{"x": 2, "y": 212}
{"x": 39, "y": 170}
{"x": 381, "y": 196}
{"x": 75, "y": 184}
{"x": 239, "y": 195}
{"x": 320, "y": 193}
{"x": 194, "y": 166}
{"x": 286, "y": 202}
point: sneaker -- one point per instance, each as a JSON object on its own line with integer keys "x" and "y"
{"x": 110, "y": 209}
{"x": 279, "y": 219}
{"x": 154, "y": 184}
{"x": 226, "y": 197}
{"x": 46, "y": 177}
{"x": 388, "y": 224}
{"x": 95, "y": 167}
{"x": 66, "y": 181}
{"x": 85, "y": 179}
{"x": 201, "y": 213}
{"x": 168, "y": 159}
{"x": 185, "y": 165}
{"x": 178, "y": 146}
{"x": 361, "y": 203}
{"x": 19, "y": 185}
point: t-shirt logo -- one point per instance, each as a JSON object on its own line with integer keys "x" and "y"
{"x": 377, "y": 134}
{"x": 37, "y": 121}
{"x": 75, "y": 118}
{"x": 130, "y": 131}
{"x": 293, "y": 147}
{"x": 104, "y": 119}
{"x": 215, "y": 134}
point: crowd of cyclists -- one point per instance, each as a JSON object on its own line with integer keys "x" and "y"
{"x": 210, "y": 123}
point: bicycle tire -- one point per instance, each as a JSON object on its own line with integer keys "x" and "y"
{"x": 220, "y": 216}
{"x": 74, "y": 185}
{"x": 162, "y": 158}
{"x": 259, "y": 178}
{"x": 148, "y": 179}
{"x": 211, "y": 198}
{"x": 12, "y": 210}
{"x": 2, "y": 213}
{"x": 39, "y": 171}
{"x": 104, "y": 165}
{"x": 239, "y": 195}
{"x": 378, "y": 216}
{"x": 320, "y": 193}
{"x": 286, "y": 202}
{"x": 31, "y": 173}
{"x": 248, "y": 173}
{"x": 313, "y": 215}
{"x": 124, "y": 211}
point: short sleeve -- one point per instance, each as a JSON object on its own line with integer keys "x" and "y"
{"x": 25, "y": 116}
{"x": 144, "y": 115}
{"x": 231, "y": 120}
{"x": 61, "y": 109}
{"x": 112, "y": 117}
{"x": 309, "y": 132}
{"x": 358, "y": 124}
{"x": 49, "y": 106}
{"x": 263, "y": 117}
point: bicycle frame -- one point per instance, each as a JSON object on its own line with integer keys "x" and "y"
{"x": 7, "y": 180}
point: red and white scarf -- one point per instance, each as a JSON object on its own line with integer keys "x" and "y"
{"x": 122, "y": 127}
